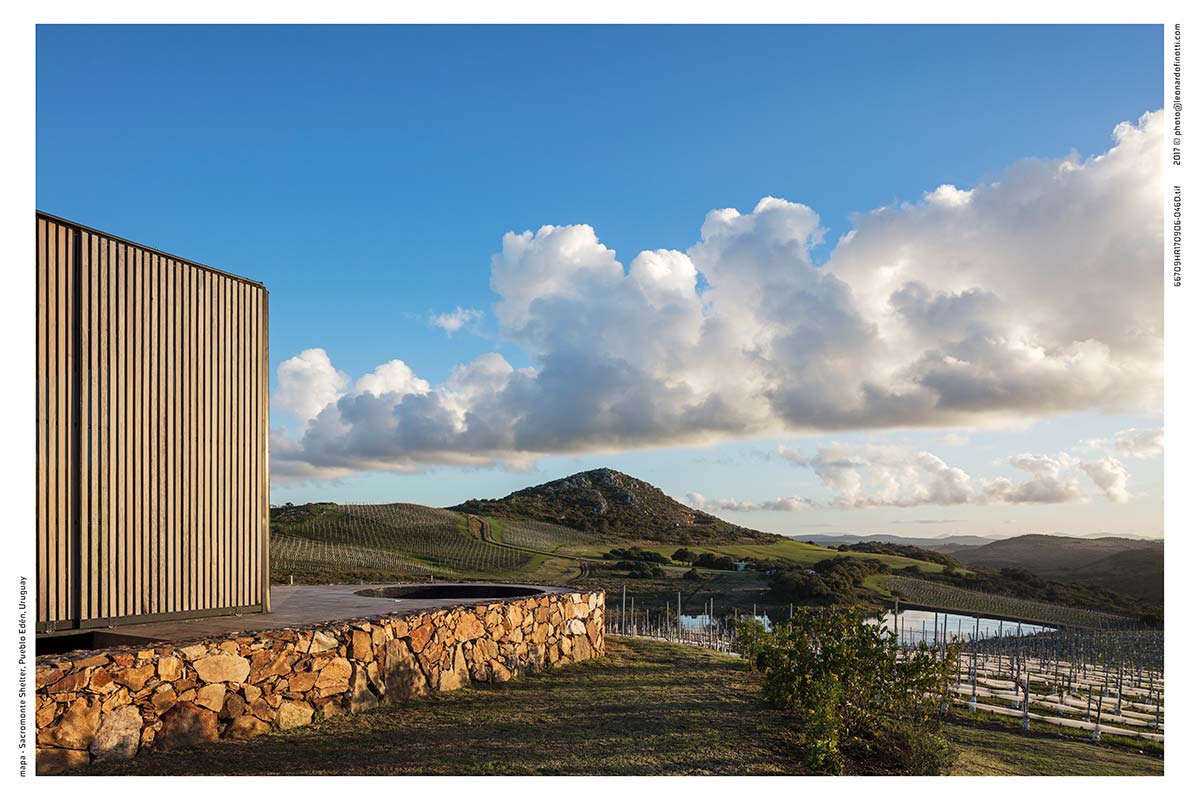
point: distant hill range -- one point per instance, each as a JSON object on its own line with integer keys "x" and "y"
{"x": 611, "y": 503}
{"x": 1130, "y": 566}
{"x": 936, "y": 543}
{"x": 1117, "y": 563}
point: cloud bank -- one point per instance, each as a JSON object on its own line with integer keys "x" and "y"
{"x": 702, "y": 503}
{"x": 891, "y": 475}
{"x": 1131, "y": 442}
{"x": 1039, "y": 293}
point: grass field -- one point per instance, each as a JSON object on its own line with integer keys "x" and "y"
{"x": 995, "y": 748}
{"x": 645, "y": 709}
{"x": 786, "y": 550}
{"x": 327, "y": 543}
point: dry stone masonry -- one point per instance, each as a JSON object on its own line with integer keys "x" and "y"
{"x": 109, "y": 705}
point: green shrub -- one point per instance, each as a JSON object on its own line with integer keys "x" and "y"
{"x": 684, "y": 555}
{"x": 642, "y": 569}
{"x": 714, "y": 561}
{"x": 852, "y": 692}
{"x": 637, "y": 554}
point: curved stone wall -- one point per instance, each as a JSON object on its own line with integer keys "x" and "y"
{"x": 111, "y": 704}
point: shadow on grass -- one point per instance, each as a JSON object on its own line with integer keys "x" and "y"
{"x": 644, "y": 709}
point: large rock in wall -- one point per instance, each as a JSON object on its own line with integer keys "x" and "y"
{"x": 109, "y": 705}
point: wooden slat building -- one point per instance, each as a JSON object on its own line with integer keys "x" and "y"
{"x": 152, "y": 429}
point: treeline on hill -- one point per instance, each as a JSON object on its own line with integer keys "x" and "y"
{"x": 907, "y": 550}
{"x": 646, "y": 563}
{"x": 640, "y": 563}
{"x": 840, "y": 581}
{"x": 1013, "y": 582}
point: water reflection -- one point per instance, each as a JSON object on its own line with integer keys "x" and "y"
{"x": 694, "y": 622}
{"x": 918, "y": 626}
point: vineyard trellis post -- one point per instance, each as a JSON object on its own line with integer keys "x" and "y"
{"x": 622, "y": 609}
{"x": 1025, "y": 706}
{"x": 679, "y": 612}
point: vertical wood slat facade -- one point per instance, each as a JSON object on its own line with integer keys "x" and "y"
{"x": 152, "y": 482}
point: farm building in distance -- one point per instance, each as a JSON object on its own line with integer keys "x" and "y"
{"x": 152, "y": 482}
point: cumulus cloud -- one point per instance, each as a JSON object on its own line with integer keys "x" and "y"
{"x": 865, "y": 476}
{"x": 454, "y": 321}
{"x": 308, "y": 383}
{"x": 1049, "y": 482}
{"x": 1131, "y": 442}
{"x": 877, "y": 475}
{"x": 702, "y": 503}
{"x": 1110, "y": 476}
{"x": 892, "y": 475}
{"x": 1039, "y": 293}
{"x": 395, "y": 377}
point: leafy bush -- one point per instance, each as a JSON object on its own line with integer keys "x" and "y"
{"x": 832, "y": 581}
{"x": 714, "y": 561}
{"x": 907, "y": 550}
{"x": 637, "y": 554}
{"x": 693, "y": 575}
{"x": 684, "y": 555}
{"x": 642, "y": 569}
{"x": 852, "y": 691}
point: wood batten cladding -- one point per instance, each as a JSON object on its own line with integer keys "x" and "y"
{"x": 152, "y": 493}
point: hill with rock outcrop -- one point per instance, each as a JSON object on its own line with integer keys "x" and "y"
{"x": 613, "y": 504}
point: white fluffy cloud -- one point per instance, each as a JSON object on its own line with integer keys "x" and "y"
{"x": 875, "y": 475}
{"x": 308, "y": 383}
{"x": 864, "y": 476}
{"x": 1038, "y": 293}
{"x": 895, "y": 475}
{"x": 395, "y": 377}
{"x": 454, "y": 321}
{"x": 1111, "y": 476}
{"x": 1132, "y": 442}
{"x": 702, "y": 503}
{"x": 1049, "y": 481}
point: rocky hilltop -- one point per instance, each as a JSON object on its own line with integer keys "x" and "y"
{"x": 611, "y": 503}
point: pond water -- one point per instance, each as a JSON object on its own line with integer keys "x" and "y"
{"x": 693, "y": 622}
{"x": 917, "y": 626}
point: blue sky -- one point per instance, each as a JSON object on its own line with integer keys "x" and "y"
{"x": 367, "y": 176}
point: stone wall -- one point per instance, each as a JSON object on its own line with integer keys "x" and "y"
{"x": 107, "y": 705}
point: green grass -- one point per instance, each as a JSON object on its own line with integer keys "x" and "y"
{"x": 995, "y": 747}
{"x": 730, "y": 590}
{"x": 327, "y": 543}
{"x": 646, "y": 708}
{"x": 786, "y": 550}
